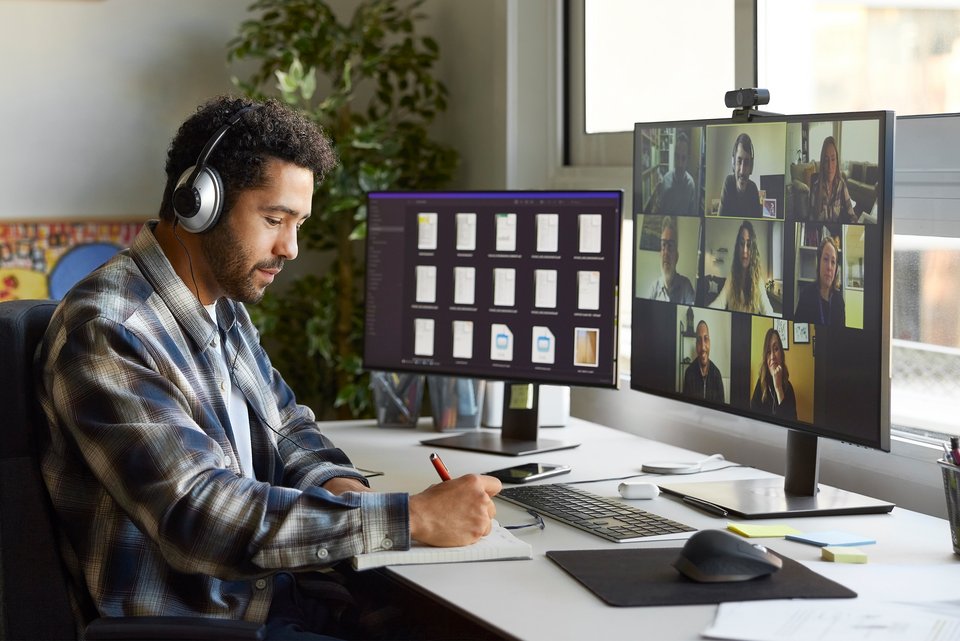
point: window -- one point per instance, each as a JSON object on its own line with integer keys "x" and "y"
{"x": 926, "y": 336}
{"x": 625, "y": 66}
{"x": 682, "y": 62}
{"x": 902, "y": 55}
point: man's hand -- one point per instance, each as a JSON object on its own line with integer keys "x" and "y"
{"x": 340, "y": 484}
{"x": 455, "y": 512}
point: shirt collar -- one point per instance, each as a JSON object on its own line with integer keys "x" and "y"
{"x": 179, "y": 299}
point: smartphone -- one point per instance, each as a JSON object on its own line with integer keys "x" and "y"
{"x": 529, "y": 472}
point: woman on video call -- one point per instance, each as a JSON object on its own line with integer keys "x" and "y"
{"x": 773, "y": 393}
{"x": 830, "y": 197}
{"x": 744, "y": 290}
{"x": 821, "y": 302}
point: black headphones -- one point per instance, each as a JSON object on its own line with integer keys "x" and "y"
{"x": 198, "y": 197}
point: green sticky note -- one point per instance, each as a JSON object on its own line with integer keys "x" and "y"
{"x": 521, "y": 397}
{"x": 753, "y": 530}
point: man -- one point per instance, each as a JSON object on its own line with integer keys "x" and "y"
{"x": 678, "y": 193}
{"x": 671, "y": 286}
{"x": 702, "y": 379}
{"x": 185, "y": 476}
{"x": 740, "y": 195}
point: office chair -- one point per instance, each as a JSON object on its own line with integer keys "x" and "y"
{"x": 34, "y": 592}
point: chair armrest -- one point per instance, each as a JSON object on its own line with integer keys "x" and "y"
{"x": 160, "y": 628}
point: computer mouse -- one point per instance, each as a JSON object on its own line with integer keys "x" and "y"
{"x": 638, "y": 490}
{"x": 713, "y": 556}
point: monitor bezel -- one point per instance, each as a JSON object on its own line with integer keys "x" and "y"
{"x": 618, "y": 194}
{"x": 881, "y": 437}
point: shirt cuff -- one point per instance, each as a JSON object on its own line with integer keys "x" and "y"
{"x": 386, "y": 521}
{"x": 320, "y": 474}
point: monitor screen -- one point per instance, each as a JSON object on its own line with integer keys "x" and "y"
{"x": 761, "y": 269}
{"x": 510, "y": 285}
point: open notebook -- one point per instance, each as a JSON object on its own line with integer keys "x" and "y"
{"x": 499, "y": 545}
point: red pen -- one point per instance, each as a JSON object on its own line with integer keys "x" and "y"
{"x": 441, "y": 468}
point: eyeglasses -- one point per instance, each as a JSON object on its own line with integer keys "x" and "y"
{"x": 668, "y": 244}
{"x": 537, "y": 523}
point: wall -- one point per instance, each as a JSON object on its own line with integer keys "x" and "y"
{"x": 93, "y": 93}
{"x": 96, "y": 90}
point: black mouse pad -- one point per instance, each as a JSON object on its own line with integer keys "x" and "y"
{"x": 646, "y": 576}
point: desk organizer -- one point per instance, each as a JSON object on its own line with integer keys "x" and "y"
{"x": 397, "y": 398}
{"x": 951, "y": 487}
{"x": 457, "y": 403}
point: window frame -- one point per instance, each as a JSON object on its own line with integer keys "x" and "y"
{"x": 616, "y": 149}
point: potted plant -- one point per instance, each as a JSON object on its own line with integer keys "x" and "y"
{"x": 378, "y": 100}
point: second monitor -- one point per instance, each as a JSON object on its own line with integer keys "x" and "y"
{"x": 519, "y": 286}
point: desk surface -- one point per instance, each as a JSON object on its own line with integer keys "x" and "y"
{"x": 912, "y": 559}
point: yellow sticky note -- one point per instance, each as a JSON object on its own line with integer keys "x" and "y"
{"x": 754, "y": 530}
{"x": 842, "y": 554}
{"x": 521, "y": 396}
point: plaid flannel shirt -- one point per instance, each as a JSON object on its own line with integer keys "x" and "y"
{"x": 156, "y": 516}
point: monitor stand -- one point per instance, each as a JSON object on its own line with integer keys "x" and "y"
{"x": 798, "y": 494}
{"x": 518, "y": 433}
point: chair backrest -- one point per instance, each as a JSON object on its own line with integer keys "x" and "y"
{"x": 34, "y": 597}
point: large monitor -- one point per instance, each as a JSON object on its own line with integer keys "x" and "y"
{"x": 519, "y": 286}
{"x": 762, "y": 287}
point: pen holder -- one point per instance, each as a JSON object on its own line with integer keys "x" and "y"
{"x": 397, "y": 398}
{"x": 456, "y": 403}
{"x": 951, "y": 487}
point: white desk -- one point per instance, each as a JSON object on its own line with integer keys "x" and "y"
{"x": 912, "y": 560}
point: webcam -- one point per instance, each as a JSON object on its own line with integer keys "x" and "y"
{"x": 746, "y": 98}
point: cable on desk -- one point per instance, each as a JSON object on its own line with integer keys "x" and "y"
{"x": 633, "y": 476}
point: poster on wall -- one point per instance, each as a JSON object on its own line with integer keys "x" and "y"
{"x": 46, "y": 259}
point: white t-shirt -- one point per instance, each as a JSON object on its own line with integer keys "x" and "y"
{"x": 236, "y": 405}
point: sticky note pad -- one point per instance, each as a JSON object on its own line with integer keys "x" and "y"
{"x": 753, "y": 530}
{"x": 841, "y": 554}
{"x": 521, "y": 396}
{"x": 830, "y": 537}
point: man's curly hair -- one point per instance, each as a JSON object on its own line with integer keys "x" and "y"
{"x": 269, "y": 130}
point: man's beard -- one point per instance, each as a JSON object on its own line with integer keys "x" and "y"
{"x": 667, "y": 273}
{"x": 231, "y": 264}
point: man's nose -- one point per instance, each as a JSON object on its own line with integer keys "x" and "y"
{"x": 287, "y": 243}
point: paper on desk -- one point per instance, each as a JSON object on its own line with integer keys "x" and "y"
{"x": 766, "y": 530}
{"x": 799, "y": 620}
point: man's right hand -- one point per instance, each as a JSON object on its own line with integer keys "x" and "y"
{"x": 455, "y": 512}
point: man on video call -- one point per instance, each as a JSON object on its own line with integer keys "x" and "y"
{"x": 740, "y": 195}
{"x": 677, "y": 191}
{"x": 702, "y": 379}
{"x": 186, "y": 478}
{"x": 671, "y": 286}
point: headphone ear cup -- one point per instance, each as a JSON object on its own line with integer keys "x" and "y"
{"x": 197, "y": 206}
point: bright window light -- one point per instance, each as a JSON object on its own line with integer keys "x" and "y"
{"x": 647, "y": 61}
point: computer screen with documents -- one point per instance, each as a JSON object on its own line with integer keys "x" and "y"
{"x": 509, "y": 285}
